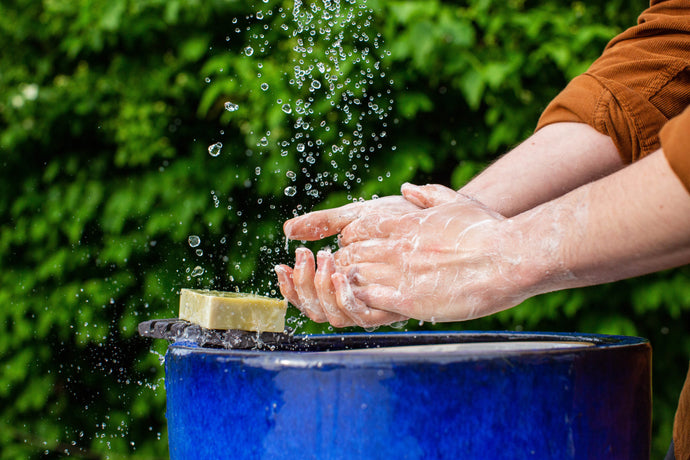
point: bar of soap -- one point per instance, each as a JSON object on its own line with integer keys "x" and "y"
{"x": 232, "y": 310}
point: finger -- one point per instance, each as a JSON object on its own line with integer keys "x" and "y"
{"x": 369, "y": 227}
{"x": 371, "y": 251}
{"x": 303, "y": 278}
{"x": 320, "y": 224}
{"x": 386, "y": 298}
{"x": 326, "y": 291}
{"x": 427, "y": 196}
{"x": 363, "y": 274}
{"x": 287, "y": 287}
{"x": 357, "y": 310}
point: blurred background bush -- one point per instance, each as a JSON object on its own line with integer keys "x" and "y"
{"x": 107, "y": 110}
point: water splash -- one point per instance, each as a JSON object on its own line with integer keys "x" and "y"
{"x": 332, "y": 100}
{"x": 214, "y": 149}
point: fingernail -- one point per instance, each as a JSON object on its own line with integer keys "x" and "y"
{"x": 301, "y": 256}
{"x": 287, "y": 228}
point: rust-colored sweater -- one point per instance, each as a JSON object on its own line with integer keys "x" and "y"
{"x": 638, "y": 93}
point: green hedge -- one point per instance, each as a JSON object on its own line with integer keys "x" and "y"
{"x": 107, "y": 110}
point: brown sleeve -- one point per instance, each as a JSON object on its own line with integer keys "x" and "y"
{"x": 675, "y": 140}
{"x": 640, "y": 82}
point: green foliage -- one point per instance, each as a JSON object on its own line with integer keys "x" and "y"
{"x": 107, "y": 108}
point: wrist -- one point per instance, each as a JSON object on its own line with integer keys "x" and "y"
{"x": 534, "y": 258}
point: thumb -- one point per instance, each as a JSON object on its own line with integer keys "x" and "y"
{"x": 430, "y": 195}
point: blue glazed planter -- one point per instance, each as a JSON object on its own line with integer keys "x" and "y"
{"x": 441, "y": 396}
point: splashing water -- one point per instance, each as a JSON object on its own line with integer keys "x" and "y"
{"x": 214, "y": 149}
{"x": 323, "y": 63}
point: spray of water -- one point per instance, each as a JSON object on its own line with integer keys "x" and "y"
{"x": 335, "y": 100}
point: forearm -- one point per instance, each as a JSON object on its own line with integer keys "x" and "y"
{"x": 630, "y": 223}
{"x": 553, "y": 161}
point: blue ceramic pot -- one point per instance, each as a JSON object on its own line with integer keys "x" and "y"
{"x": 416, "y": 395}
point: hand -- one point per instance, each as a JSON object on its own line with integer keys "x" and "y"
{"x": 322, "y": 294}
{"x": 449, "y": 262}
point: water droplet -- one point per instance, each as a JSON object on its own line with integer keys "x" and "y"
{"x": 287, "y": 108}
{"x": 398, "y": 325}
{"x": 214, "y": 149}
{"x": 300, "y": 148}
{"x": 198, "y": 271}
{"x": 230, "y": 107}
{"x": 290, "y": 190}
{"x": 194, "y": 241}
{"x": 249, "y": 51}
{"x": 315, "y": 84}
{"x": 264, "y": 86}
{"x": 199, "y": 252}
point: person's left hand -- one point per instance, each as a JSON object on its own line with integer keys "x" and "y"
{"x": 324, "y": 295}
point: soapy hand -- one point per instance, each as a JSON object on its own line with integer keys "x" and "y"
{"x": 449, "y": 262}
{"x": 323, "y": 294}
{"x": 400, "y": 261}
{"x": 443, "y": 263}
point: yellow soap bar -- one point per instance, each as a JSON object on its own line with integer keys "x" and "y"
{"x": 232, "y": 310}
